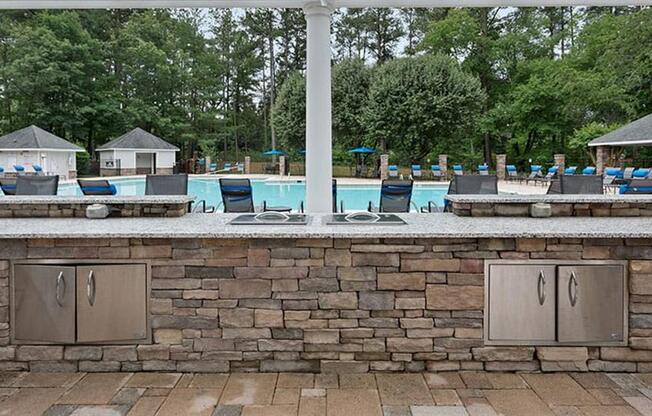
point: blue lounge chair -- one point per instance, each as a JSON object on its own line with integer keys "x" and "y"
{"x": 641, "y": 174}
{"x": 535, "y": 173}
{"x": 512, "y": 172}
{"x": 458, "y": 170}
{"x": 395, "y": 196}
{"x": 641, "y": 186}
{"x": 589, "y": 170}
{"x": 38, "y": 169}
{"x": 227, "y": 167}
{"x": 240, "y": 167}
{"x": 2, "y": 172}
{"x": 392, "y": 171}
{"x": 212, "y": 167}
{"x": 570, "y": 170}
{"x": 610, "y": 175}
{"x": 96, "y": 187}
{"x": 435, "y": 170}
{"x": 483, "y": 169}
{"x": 8, "y": 186}
{"x": 628, "y": 174}
{"x": 552, "y": 172}
{"x": 237, "y": 195}
{"x": 20, "y": 169}
{"x": 416, "y": 171}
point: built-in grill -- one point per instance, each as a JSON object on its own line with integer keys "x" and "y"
{"x": 270, "y": 218}
{"x": 362, "y": 218}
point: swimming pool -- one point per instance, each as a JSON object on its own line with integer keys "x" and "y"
{"x": 355, "y": 197}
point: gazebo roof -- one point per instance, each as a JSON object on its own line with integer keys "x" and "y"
{"x": 138, "y": 139}
{"x": 636, "y": 133}
{"x": 35, "y": 138}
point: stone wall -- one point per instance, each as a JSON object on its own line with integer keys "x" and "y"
{"x": 327, "y": 305}
{"x": 67, "y": 210}
{"x": 498, "y": 209}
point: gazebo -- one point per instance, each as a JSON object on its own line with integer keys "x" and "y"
{"x": 137, "y": 153}
{"x": 318, "y": 60}
{"x": 33, "y": 146}
{"x": 636, "y": 133}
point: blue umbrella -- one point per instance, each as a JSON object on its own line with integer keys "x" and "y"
{"x": 274, "y": 152}
{"x": 302, "y": 151}
{"x": 362, "y": 150}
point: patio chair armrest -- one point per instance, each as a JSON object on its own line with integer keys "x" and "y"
{"x": 198, "y": 206}
{"x": 416, "y": 208}
{"x": 301, "y": 207}
{"x": 342, "y": 206}
{"x": 372, "y": 207}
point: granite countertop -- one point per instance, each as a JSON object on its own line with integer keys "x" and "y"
{"x": 555, "y": 199}
{"x": 418, "y": 226}
{"x": 108, "y": 199}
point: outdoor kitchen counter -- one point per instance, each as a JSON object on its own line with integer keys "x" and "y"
{"x": 214, "y": 226}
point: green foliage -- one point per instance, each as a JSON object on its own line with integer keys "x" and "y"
{"x": 290, "y": 113}
{"x": 83, "y": 163}
{"x": 417, "y": 103}
{"x": 578, "y": 142}
{"x": 351, "y": 81}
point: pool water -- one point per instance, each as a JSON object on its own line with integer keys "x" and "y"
{"x": 290, "y": 194}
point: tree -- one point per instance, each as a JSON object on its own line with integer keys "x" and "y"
{"x": 290, "y": 113}
{"x": 417, "y": 103}
{"x": 351, "y": 81}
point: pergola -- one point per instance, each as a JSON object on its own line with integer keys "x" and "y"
{"x": 318, "y": 62}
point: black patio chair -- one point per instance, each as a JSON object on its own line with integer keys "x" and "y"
{"x": 395, "y": 196}
{"x": 237, "y": 195}
{"x": 37, "y": 185}
{"x": 174, "y": 185}
{"x": 466, "y": 185}
{"x": 577, "y": 185}
{"x": 8, "y": 186}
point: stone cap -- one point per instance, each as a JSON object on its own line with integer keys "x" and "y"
{"x": 550, "y": 199}
{"x": 87, "y": 200}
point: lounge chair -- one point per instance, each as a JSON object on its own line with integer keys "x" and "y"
{"x": 589, "y": 170}
{"x": 610, "y": 175}
{"x": 466, "y": 185}
{"x": 639, "y": 174}
{"x": 212, "y": 167}
{"x": 395, "y": 196}
{"x": 535, "y": 173}
{"x": 2, "y": 172}
{"x": 416, "y": 172}
{"x": 551, "y": 174}
{"x": 392, "y": 171}
{"x": 483, "y": 170}
{"x": 570, "y": 170}
{"x": 576, "y": 185}
{"x": 174, "y": 185}
{"x": 237, "y": 196}
{"x": 641, "y": 186}
{"x": 458, "y": 170}
{"x": 20, "y": 169}
{"x": 96, "y": 187}
{"x": 38, "y": 170}
{"x": 239, "y": 167}
{"x": 8, "y": 186}
{"x": 628, "y": 173}
{"x": 37, "y": 185}
{"x": 435, "y": 170}
{"x": 512, "y": 172}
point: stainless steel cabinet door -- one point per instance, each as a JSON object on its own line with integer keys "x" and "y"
{"x": 591, "y": 303}
{"x": 44, "y": 303}
{"x": 521, "y": 303}
{"x": 111, "y": 302}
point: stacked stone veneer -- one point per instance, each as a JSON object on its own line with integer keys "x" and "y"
{"x": 327, "y": 305}
{"x": 509, "y": 209}
{"x": 60, "y": 210}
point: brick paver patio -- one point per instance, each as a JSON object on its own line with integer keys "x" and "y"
{"x": 429, "y": 394}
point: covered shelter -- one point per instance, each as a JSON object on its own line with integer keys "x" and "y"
{"x": 137, "y": 152}
{"x": 34, "y": 148}
{"x": 609, "y": 146}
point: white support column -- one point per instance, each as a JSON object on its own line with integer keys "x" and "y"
{"x": 319, "y": 154}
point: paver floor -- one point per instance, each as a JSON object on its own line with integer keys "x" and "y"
{"x": 383, "y": 394}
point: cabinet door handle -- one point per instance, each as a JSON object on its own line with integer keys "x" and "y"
{"x": 541, "y": 288}
{"x": 61, "y": 289}
{"x": 90, "y": 288}
{"x": 572, "y": 289}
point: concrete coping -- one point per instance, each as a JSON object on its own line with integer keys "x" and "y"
{"x": 549, "y": 199}
{"x": 88, "y": 200}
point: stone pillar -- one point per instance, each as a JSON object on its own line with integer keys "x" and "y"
{"x": 384, "y": 163}
{"x": 281, "y": 165}
{"x": 602, "y": 158}
{"x": 443, "y": 165}
{"x": 319, "y": 140}
{"x": 247, "y": 165}
{"x": 560, "y": 160}
{"x": 501, "y": 166}
{"x": 207, "y": 163}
